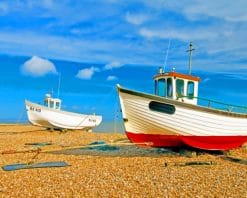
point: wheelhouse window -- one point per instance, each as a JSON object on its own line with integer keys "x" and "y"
{"x": 46, "y": 103}
{"x": 51, "y": 104}
{"x": 179, "y": 87}
{"x": 169, "y": 87}
{"x": 190, "y": 89}
{"x": 57, "y": 105}
{"x": 161, "y": 87}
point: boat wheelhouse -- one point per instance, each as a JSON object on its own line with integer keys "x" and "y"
{"x": 53, "y": 103}
{"x": 177, "y": 86}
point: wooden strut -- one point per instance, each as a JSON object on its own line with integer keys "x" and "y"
{"x": 38, "y": 150}
{"x": 191, "y": 163}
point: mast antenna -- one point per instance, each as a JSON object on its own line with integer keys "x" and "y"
{"x": 190, "y": 56}
{"x": 167, "y": 51}
{"x": 59, "y": 83}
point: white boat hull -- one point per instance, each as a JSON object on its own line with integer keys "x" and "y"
{"x": 40, "y": 115}
{"x": 189, "y": 124}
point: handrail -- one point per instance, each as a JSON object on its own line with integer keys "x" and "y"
{"x": 214, "y": 101}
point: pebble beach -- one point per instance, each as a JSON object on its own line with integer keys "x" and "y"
{"x": 124, "y": 171}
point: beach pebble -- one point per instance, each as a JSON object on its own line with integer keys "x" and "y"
{"x": 129, "y": 172}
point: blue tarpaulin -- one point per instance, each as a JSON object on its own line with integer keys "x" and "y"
{"x": 13, "y": 167}
{"x": 101, "y": 146}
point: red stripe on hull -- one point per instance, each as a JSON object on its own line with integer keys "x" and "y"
{"x": 201, "y": 142}
{"x": 155, "y": 140}
{"x": 214, "y": 142}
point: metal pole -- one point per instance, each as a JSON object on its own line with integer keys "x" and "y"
{"x": 190, "y": 57}
{"x": 59, "y": 84}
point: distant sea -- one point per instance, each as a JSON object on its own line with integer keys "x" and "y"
{"x": 98, "y": 95}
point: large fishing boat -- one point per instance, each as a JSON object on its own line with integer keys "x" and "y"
{"x": 51, "y": 116}
{"x": 172, "y": 117}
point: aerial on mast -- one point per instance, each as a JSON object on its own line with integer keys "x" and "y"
{"x": 167, "y": 51}
{"x": 59, "y": 84}
{"x": 190, "y": 58}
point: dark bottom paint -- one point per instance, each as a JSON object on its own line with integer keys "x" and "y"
{"x": 201, "y": 142}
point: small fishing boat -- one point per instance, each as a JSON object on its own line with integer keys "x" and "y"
{"x": 51, "y": 116}
{"x": 172, "y": 117}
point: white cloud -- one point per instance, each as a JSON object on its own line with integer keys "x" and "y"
{"x": 177, "y": 33}
{"x": 111, "y": 78}
{"x": 112, "y": 65}
{"x": 76, "y": 31}
{"x": 37, "y": 66}
{"x": 75, "y": 107}
{"x": 206, "y": 80}
{"x": 4, "y": 8}
{"x": 48, "y": 3}
{"x": 96, "y": 50}
{"x": 241, "y": 76}
{"x": 197, "y": 9}
{"x": 136, "y": 19}
{"x": 87, "y": 73}
{"x": 227, "y": 10}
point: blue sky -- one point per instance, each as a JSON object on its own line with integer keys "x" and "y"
{"x": 127, "y": 31}
{"x": 95, "y": 44}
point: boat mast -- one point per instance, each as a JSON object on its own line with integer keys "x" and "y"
{"x": 59, "y": 84}
{"x": 190, "y": 58}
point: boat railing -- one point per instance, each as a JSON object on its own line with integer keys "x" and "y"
{"x": 217, "y": 104}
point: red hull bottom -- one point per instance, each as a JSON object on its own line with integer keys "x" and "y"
{"x": 201, "y": 142}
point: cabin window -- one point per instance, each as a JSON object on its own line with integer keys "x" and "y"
{"x": 51, "y": 104}
{"x": 46, "y": 103}
{"x": 57, "y": 105}
{"x": 169, "y": 87}
{"x": 179, "y": 87}
{"x": 190, "y": 89}
{"x": 161, "y": 87}
{"x": 162, "y": 107}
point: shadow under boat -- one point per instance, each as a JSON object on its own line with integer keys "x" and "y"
{"x": 101, "y": 148}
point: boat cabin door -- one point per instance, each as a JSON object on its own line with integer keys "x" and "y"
{"x": 53, "y": 103}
